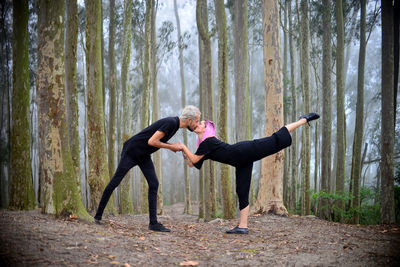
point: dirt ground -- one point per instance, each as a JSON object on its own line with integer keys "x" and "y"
{"x": 29, "y": 238}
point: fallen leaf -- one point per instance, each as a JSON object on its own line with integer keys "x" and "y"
{"x": 111, "y": 257}
{"x": 126, "y": 265}
{"x": 188, "y": 263}
{"x": 142, "y": 238}
{"x": 115, "y": 263}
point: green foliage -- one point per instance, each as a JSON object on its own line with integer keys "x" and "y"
{"x": 369, "y": 211}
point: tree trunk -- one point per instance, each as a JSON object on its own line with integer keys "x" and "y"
{"x": 21, "y": 194}
{"x": 98, "y": 168}
{"x": 269, "y": 197}
{"x": 359, "y": 127}
{"x": 305, "y": 148}
{"x": 71, "y": 90}
{"x": 202, "y": 107}
{"x": 241, "y": 63}
{"x": 209, "y": 173}
{"x": 341, "y": 123}
{"x": 5, "y": 73}
{"x": 387, "y": 121}
{"x": 59, "y": 192}
{"x": 112, "y": 89}
{"x": 156, "y": 112}
{"x": 228, "y": 204}
{"x": 188, "y": 203}
{"x": 293, "y": 148}
{"x": 125, "y": 196}
{"x": 286, "y": 171}
{"x": 144, "y": 118}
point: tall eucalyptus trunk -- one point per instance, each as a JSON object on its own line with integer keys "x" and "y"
{"x": 341, "y": 123}
{"x": 59, "y": 192}
{"x": 98, "y": 167}
{"x": 156, "y": 111}
{"x": 286, "y": 107}
{"x": 145, "y": 116}
{"x": 270, "y": 199}
{"x": 202, "y": 108}
{"x": 305, "y": 133}
{"x": 209, "y": 173}
{"x": 5, "y": 89}
{"x": 359, "y": 126}
{"x": 227, "y": 197}
{"x": 21, "y": 194}
{"x": 125, "y": 196}
{"x": 294, "y": 116}
{"x": 387, "y": 121}
{"x": 112, "y": 88}
{"x": 71, "y": 89}
{"x": 188, "y": 203}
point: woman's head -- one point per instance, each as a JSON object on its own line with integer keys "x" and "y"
{"x": 204, "y": 130}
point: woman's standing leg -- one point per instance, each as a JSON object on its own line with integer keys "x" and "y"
{"x": 243, "y": 180}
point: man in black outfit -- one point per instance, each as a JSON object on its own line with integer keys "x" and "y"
{"x": 137, "y": 151}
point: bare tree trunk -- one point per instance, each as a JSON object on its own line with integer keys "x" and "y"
{"x": 209, "y": 173}
{"x": 293, "y": 148}
{"x": 241, "y": 63}
{"x": 21, "y": 194}
{"x": 356, "y": 165}
{"x": 156, "y": 111}
{"x": 188, "y": 203}
{"x": 269, "y": 197}
{"x": 341, "y": 123}
{"x": 98, "y": 167}
{"x": 387, "y": 121}
{"x": 305, "y": 148}
{"x": 112, "y": 87}
{"x": 59, "y": 192}
{"x": 228, "y": 204}
{"x": 5, "y": 44}
{"x": 71, "y": 90}
{"x": 202, "y": 107}
{"x": 286, "y": 111}
{"x": 145, "y": 116}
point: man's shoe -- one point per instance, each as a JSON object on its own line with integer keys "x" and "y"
{"x": 310, "y": 116}
{"x": 98, "y": 221}
{"x": 158, "y": 227}
{"x": 237, "y": 230}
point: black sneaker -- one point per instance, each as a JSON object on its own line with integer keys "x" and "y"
{"x": 310, "y": 116}
{"x": 158, "y": 227}
{"x": 237, "y": 230}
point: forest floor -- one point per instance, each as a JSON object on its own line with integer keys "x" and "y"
{"x": 29, "y": 238}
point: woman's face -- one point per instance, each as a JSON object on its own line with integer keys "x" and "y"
{"x": 200, "y": 127}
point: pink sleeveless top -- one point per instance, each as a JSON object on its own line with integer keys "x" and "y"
{"x": 209, "y": 132}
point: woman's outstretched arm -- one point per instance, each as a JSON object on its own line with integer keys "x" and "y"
{"x": 187, "y": 160}
{"x": 192, "y": 157}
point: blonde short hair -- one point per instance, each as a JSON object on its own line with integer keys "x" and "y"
{"x": 189, "y": 112}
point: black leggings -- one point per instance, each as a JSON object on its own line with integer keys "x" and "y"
{"x": 125, "y": 164}
{"x": 257, "y": 149}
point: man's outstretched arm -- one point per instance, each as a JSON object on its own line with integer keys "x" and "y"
{"x": 155, "y": 141}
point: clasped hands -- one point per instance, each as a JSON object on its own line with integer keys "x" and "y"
{"x": 177, "y": 147}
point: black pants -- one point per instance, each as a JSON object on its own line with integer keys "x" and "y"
{"x": 126, "y": 163}
{"x": 255, "y": 150}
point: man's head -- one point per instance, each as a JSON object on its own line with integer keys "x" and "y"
{"x": 190, "y": 117}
